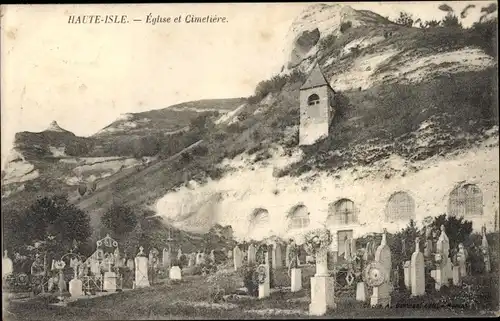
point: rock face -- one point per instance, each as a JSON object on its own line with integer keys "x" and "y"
{"x": 302, "y": 45}
{"x": 54, "y": 127}
{"x": 322, "y": 19}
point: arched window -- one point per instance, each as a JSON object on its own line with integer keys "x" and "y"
{"x": 298, "y": 217}
{"x": 313, "y": 100}
{"x": 465, "y": 200}
{"x": 400, "y": 207}
{"x": 342, "y": 212}
{"x": 259, "y": 223}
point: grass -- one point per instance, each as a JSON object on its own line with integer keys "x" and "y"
{"x": 178, "y": 301}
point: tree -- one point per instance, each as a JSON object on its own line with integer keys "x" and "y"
{"x": 119, "y": 219}
{"x": 451, "y": 21}
{"x": 56, "y": 219}
{"x": 133, "y": 240}
{"x": 405, "y": 19}
{"x": 457, "y": 229}
{"x": 430, "y": 24}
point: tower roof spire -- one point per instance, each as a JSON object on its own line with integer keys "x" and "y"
{"x": 315, "y": 78}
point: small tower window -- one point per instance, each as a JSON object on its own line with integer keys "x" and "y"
{"x": 313, "y": 100}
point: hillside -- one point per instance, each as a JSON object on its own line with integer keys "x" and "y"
{"x": 409, "y": 101}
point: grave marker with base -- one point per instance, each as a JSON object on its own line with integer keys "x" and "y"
{"x": 381, "y": 274}
{"x": 417, "y": 271}
{"x": 141, "y": 270}
{"x": 322, "y": 284}
{"x": 263, "y": 277}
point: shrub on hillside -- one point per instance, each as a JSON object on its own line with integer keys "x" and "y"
{"x": 405, "y": 19}
{"x": 344, "y": 26}
{"x": 451, "y": 21}
{"x": 327, "y": 42}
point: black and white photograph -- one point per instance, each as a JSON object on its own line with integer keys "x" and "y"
{"x": 270, "y": 160}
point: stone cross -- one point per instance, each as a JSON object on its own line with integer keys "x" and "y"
{"x": 417, "y": 271}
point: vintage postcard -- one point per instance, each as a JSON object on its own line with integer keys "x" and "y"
{"x": 250, "y": 160}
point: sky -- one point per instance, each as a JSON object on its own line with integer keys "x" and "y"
{"x": 85, "y": 75}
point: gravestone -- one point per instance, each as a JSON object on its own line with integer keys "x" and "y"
{"x": 192, "y": 259}
{"x": 442, "y": 258}
{"x": 175, "y": 273}
{"x": 264, "y": 278}
{"x": 296, "y": 279}
{"x": 462, "y": 260}
{"x": 361, "y": 292}
{"x": 381, "y": 294}
{"x": 7, "y": 265}
{"x": 200, "y": 258}
{"x": 407, "y": 274}
{"x": 76, "y": 288}
{"x": 277, "y": 258}
{"x": 428, "y": 242}
{"x": 485, "y": 248}
{"x": 141, "y": 270}
{"x": 252, "y": 254}
{"x": 179, "y": 254}
{"x": 322, "y": 284}
{"x": 417, "y": 271}
{"x": 237, "y": 258}
{"x": 166, "y": 258}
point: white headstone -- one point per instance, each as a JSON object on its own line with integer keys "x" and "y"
{"x": 264, "y": 288}
{"x": 76, "y": 288}
{"x": 141, "y": 270}
{"x": 381, "y": 294}
{"x": 7, "y": 265}
{"x": 322, "y": 285}
{"x": 361, "y": 292}
{"x": 417, "y": 271}
{"x": 252, "y": 253}
{"x": 175, "y": 273}
{"x": 237, "y": 258}
{"x": 109, "y": 283}
{"x": 296, "y": 279}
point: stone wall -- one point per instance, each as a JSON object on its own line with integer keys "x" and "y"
{"x": 429, "y": 183}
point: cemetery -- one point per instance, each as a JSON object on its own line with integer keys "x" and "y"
{"x": 437, "y": 267}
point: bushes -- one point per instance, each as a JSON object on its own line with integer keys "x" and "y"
{"x": 345, "y": 26}
{"x": 249, "y": 275}
{"x": 327, "y": 42}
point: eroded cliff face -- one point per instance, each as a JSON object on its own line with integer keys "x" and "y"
{"x": 233, "y": 199}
